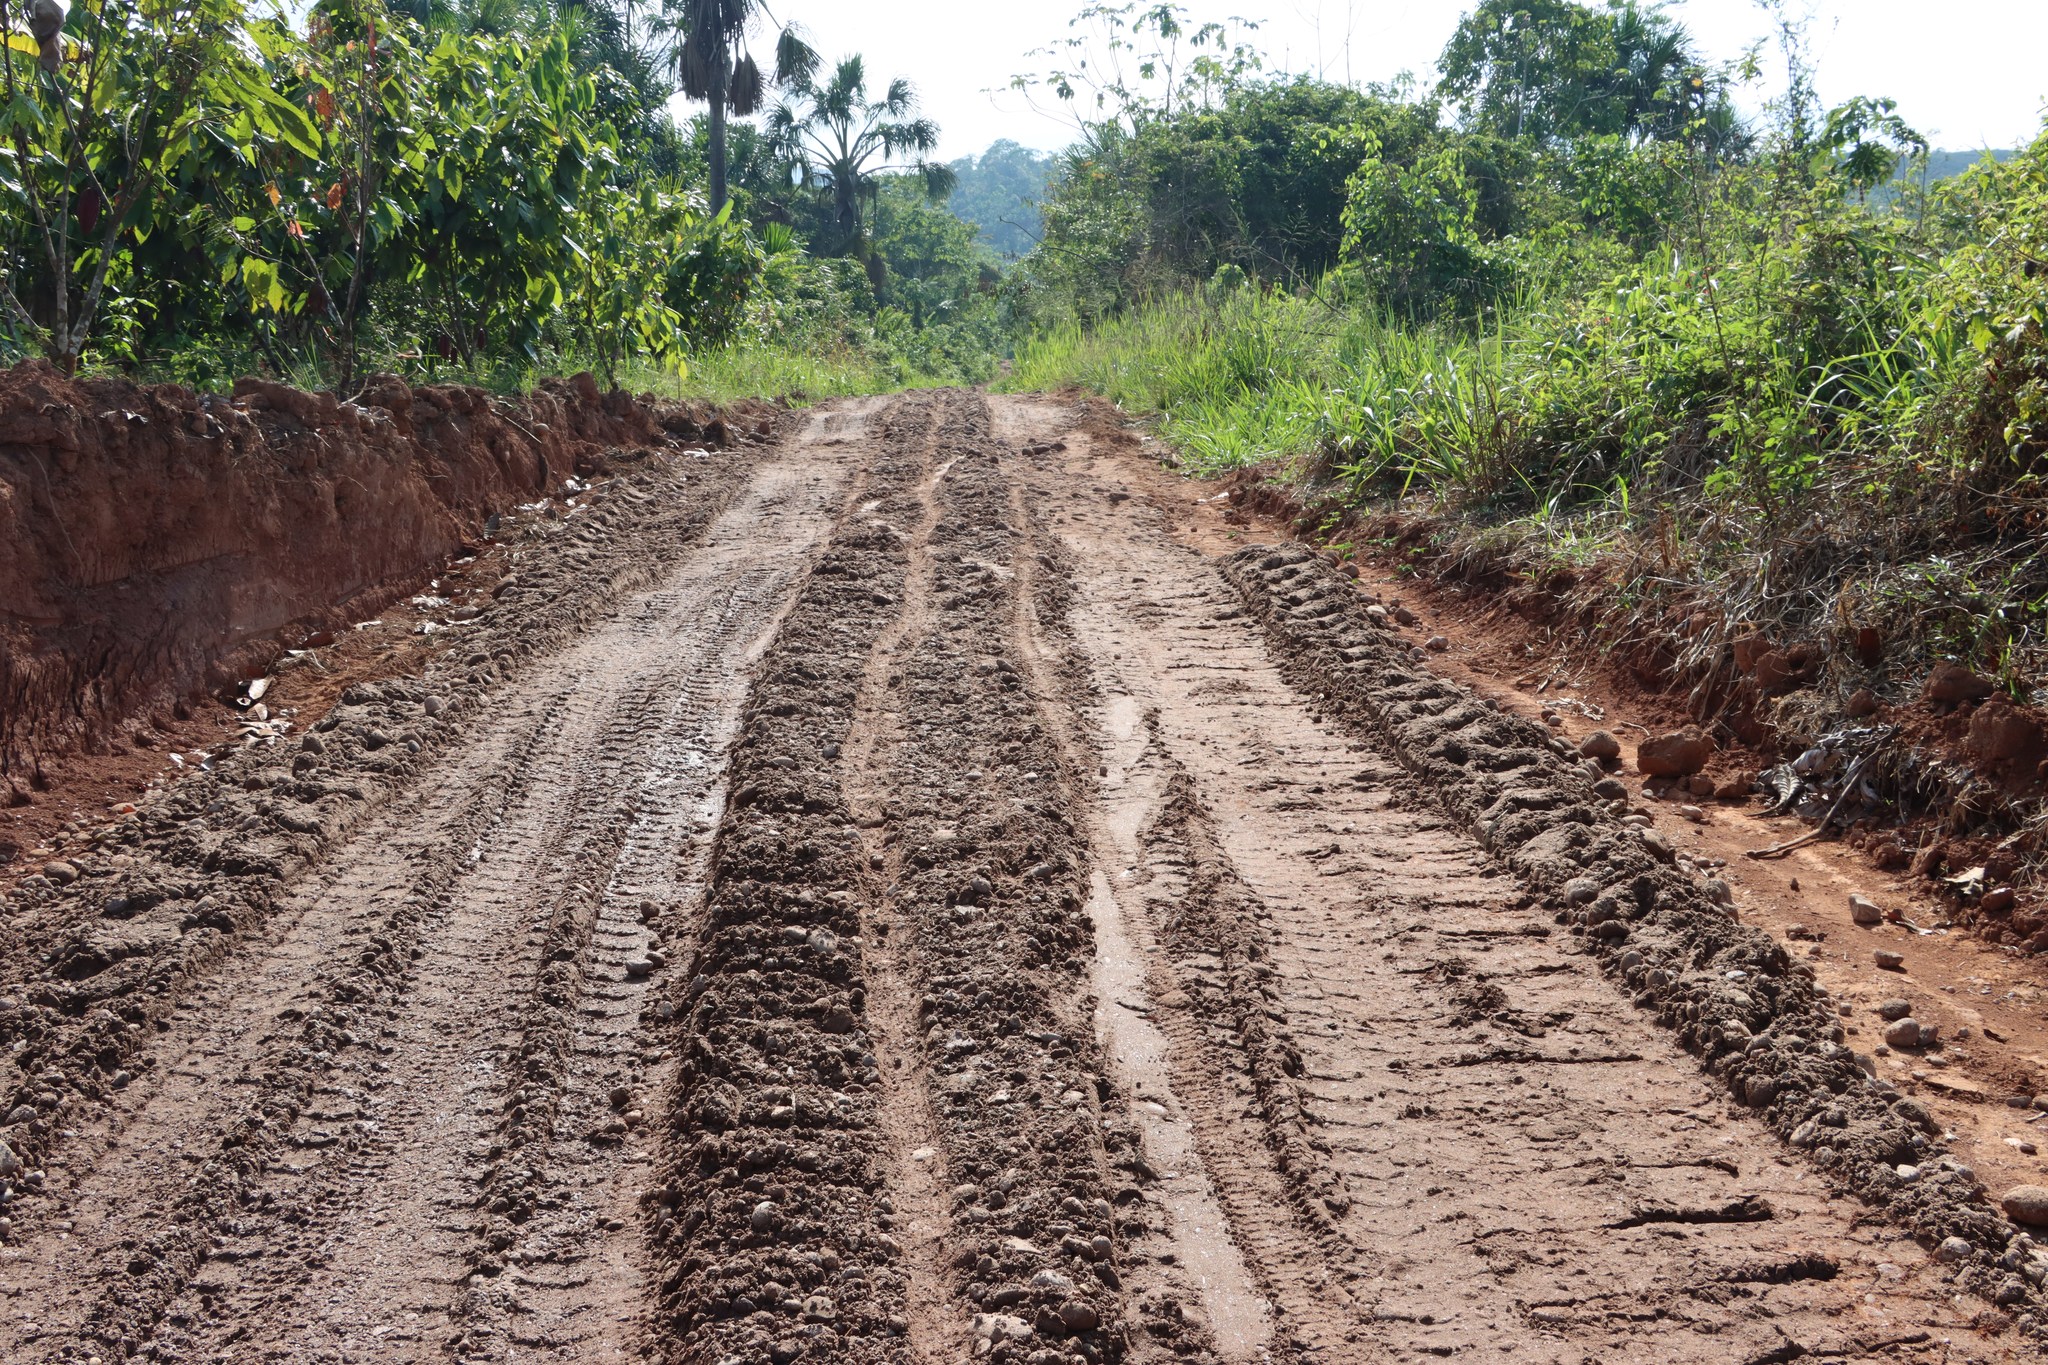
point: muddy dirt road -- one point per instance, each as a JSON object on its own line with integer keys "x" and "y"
{"x": 884, "y": 899}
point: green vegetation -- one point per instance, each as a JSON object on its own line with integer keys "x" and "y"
{"x": 1564, "y": 300}
{"x": 486, "y": 190}
{"x": 1574, "y": 310}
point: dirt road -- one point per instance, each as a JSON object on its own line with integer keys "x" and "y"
{"x": 884, "y": 899}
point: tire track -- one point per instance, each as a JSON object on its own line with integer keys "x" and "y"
{"x": 777, "y": 1231}
{"x": 347, "y": 1220}
{"x": 1510, "y": 1161}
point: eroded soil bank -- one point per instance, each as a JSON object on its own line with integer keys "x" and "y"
{"x": 154, "y": 541}
{"x": 920, "y": 893}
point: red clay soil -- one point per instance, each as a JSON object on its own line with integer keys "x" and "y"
{"x": 1978, "y": 780}
{"x": 156, "y": 544}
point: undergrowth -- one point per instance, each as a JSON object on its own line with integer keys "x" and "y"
{"x": 1807, "y": 421}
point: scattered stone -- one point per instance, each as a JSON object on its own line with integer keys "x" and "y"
{"x": 1377, "y": 613}
{"x": 1700, "y": 785}
{"x": 762, "y": 1219}
{"x": 1600, "y": 746}
{"x": 1863, "y": 703}
{"x": 1680, "y": 754}
{"x": 1894, "y": 1008}
{"x": 1865, "y": 912}
{"x": 21, "y": 1113}
{"x": 1888, "y": 960}
{"x": 61, "y": 872}
{"x": 1435, "y": 644}
{"x": 1952, "y": 1250}
{"x": 1404, "y": 616}
{"x": 1735, "y": 788}
{"x": 2026, "y": 1204}
{"x": 1693, "y": 813}
{"x": 1998, "y": 900}
{"x": 434, "y": 706}
{"x": 1902, "y": 1033}
{"x": 1610, "y": 789}
{"x": 10, "y": 1164}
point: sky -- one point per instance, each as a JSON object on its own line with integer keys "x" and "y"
{"x": 1967, "y": 73}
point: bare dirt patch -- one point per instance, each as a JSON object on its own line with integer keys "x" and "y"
{"x": 897, "y": 899}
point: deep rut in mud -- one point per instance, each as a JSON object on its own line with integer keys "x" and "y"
{"x": 923, "y": 913}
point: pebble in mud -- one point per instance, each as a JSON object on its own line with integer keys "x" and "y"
{"x": 1889, "y": 961}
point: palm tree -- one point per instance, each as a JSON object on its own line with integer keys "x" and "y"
{"x": 713, "y": 65}
{"x": 840, "y": 140}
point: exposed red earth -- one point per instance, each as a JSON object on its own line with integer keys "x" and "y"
{"x": 931, "y": 887}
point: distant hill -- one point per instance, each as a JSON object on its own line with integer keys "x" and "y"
{"x": 999, "y": 191}
{"x": 1945, "y": 165}
{"x": 1941, "y": 165}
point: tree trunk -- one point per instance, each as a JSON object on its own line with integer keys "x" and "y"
{"x": 720, "y": 74}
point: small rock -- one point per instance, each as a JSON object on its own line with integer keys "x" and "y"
{"x": 1862, "y": 703}
{"x": 1692, "y": 813}
{"x": 1660, "y": 847}
{"x": 1865, "y": 912}
{"x": 1894, "y": 1008}
{"x": 762, "y": 1219}
{"x": 376, "y": 739}
{"x": 1404, "y": 616}
{"x": 1888, "y": 960}
{"x": 1600, "y": 746}
{"x": 1376, "y": 613}
{"x": 435, "y": 705}
{"x": 1998, "y": 900}
{"x": 2026, "y": 1204}
{"x": 1952, "y": 1250}
{"x": 1680, "y": 754}
{"x": 10, "y": 1164}
{"x": 1435, "y": 644}
{"x": 1903, "y": 1033}
{"x": 61, "y": 872}
{"x": 21, "y": 1113}
{"x": 1909, "y": 1174}
{"x": 1609, "y": 789}
{"x": 621, "y": 1096}
{"x": 641, "y": 966}
{"x": 1080, "y": 1316}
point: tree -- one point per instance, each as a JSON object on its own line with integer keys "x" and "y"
{"x": 93, "y": 120}
{"x": 840, "y": 141}
{"x": 713, "y": 65}
{"x": 1126, "y": 65}
{"x": 1555, "y": 70}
